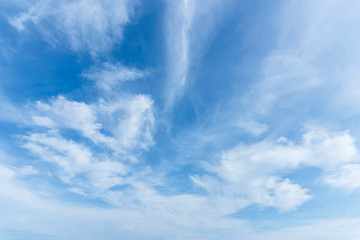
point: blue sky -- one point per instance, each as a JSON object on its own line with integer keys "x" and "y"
{"x": 181, "y": 119}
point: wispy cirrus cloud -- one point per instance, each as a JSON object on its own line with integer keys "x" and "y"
{"x": 180, "y": 15}
{"x": 314, "y": 57}
{"x": 110, "y": 76}
{"x": 85, "y": 25}
{"x": 188, "y": 29}
{"x": 345, "y": 177}
{"x": 128, "y": 121}
{"x": 73, "y": 159}
{"x": 127, "y": 125}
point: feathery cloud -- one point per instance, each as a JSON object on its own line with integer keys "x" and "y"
{"x": 86, "y": 25}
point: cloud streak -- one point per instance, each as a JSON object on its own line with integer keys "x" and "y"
{"x": 180, "y": 14}
{"x": 110, "y": 76}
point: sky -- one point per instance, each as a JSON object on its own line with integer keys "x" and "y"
{"x": 179, "y": 119}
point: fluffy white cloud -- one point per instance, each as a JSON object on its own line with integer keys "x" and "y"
{"x": 62, "y": 113}
{"x": 118, "y": 129}
{"x": 330, "y": 149}
{"x": 254, "y": 172}
{"x": 128, "y": 121}
{"x": 86, "y": 25}
{"x": 283, "y": 195}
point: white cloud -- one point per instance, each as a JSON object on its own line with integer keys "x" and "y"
{"x": 330, "y": 149}
{"x": 337, "y": 57}
{"x": 86, "y": 25}
{"x": 346, "y": 177}
{"x": 77, "y": 191}
{"x": 118, "y": 129}
{"x": 51, "y": 147}
{"x": 179, "y": 21}
{"x": 284, "y": 195}
{"x": 131, "y": 121}
{"x": 188, "y": 29}
{"x": 138, "y": 214}
{"x": 312, "y": 70}
{"x": 254, "y": 172}
{"x": 6, "y": 173}
{"x": 43, "y": 121}
{"x": 73, "y": 160}
{"x": 90, "y": 147}
{"x": 128, "y": 121}
{"x": 27, "y": 171}
{"x": 63, "y": 113}
{"x": 253, "y": 127}
{"x": 248, "y": 174}
{"x": 162, "y": 217}
{"x": 110, "y": 76}
{"x": 284, "y": 76}
{"x": 179, "y": 217}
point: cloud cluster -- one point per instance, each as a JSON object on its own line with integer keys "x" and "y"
{"x": 120, "y": 127}
{"x": 93, "y": 146}
{"x": 128, "y": 121}
{"x": 255, "y": 172}
{"x": 167, "y": 217}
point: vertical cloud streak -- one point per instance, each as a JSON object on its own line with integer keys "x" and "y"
{"x": 179, "y": 23}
